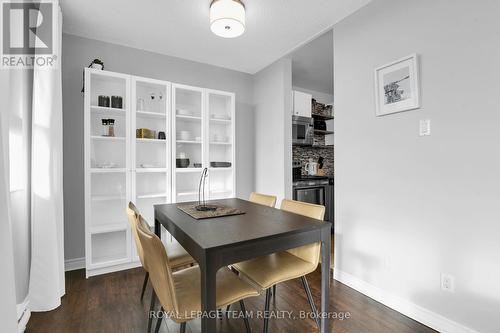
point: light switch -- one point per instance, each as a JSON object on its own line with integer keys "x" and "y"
{"x": 425, "y": 127}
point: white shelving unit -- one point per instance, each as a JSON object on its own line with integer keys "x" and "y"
{"x": 220, "y": 115}
{"x": 151, "y": 172}
{"x": 203, "y": 132}
{"x": 107, "y": 180}
{"x": 124, "y": 168}
{"x": 188, "y": 106}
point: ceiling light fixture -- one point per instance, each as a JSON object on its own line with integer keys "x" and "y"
{"x": 227, "y": 18}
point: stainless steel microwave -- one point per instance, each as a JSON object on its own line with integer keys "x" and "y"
{"x": 302, "y": 131}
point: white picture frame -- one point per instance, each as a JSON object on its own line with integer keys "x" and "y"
{"x": 397, "y": 86}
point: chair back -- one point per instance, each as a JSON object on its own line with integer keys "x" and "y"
{"x": 160, "y": 272}
{"x": 133, "y": 215}
{"x": 309, "y": 252}
{"x": 263, "y": 199}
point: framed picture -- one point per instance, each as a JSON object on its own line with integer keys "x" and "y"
{"x": 397, "y": 86}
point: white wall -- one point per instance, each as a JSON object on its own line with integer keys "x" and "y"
{"x": 273, "y": 137}
{"x": 409, "y": 208}
{"x": 78, "y": 52}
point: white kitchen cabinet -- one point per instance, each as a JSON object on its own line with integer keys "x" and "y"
{"x": 124, "y": 168}
{"x": 302, "y": 104}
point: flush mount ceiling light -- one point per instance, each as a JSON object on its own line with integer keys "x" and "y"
{"x": 227, "y": 18}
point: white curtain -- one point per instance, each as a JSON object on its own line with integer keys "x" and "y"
{"x": 46, "y": 286}
{"x": 8, "y": 315}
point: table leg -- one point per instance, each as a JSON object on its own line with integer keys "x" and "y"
{"x": 325, "y": 279}
{"x": 157, "y": 228}
{"x": 208, "y": 287}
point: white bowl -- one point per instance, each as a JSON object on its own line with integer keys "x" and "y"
{"x": 184, "y": 135}
{"x": 220, "y": 116}
{"x": 184, "y": 112}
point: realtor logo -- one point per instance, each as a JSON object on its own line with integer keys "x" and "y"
{"x": 28, "y": 34}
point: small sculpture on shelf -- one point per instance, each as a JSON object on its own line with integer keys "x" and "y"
{"x": 202, "y": 206}
{"x": 95, "y": 64}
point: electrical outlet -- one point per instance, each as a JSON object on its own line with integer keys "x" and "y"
{"x": 448, "y": 283}
{"x": 425, "y": 127}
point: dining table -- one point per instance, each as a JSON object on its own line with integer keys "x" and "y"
{"x": 221, "y": 241}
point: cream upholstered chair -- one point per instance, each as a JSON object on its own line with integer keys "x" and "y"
{"x": 267, "y": 271}
{"x": 266, "y": 200}
{"x": 263, "y": 199}
{"x": 179, "y": 292}
{"x": 178, "y": 256}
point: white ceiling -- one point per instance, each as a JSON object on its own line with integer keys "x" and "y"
{"x": 180, "y": 28}
{"x": 312, "y": 64}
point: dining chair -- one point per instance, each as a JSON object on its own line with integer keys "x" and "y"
{"x": 177, "y": 255}
{"x": 263, "y": 199}
{"x": 179, "y": 292}
{"x": 267, "y": 271}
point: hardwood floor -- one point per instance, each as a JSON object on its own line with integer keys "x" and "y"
{"x": 110, "y": 303}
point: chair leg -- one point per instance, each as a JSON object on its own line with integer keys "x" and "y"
{"x": 144, "y": 284}
{"x": 183, "y": 328}
{"x": 158, "y": 321}
{"x": 151, "y": 309}
{"x": 245, "y": 318}
{"x": 266, "y": 310}
{"x": 310, "y": 299}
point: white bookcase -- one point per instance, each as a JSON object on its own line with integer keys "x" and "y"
{"x": 203, "y": 130}
{"x": 151, "y": 160}
{"x": 107, "y": 176}
{"x": 125, "y": 168}
{"x": 220, "y": 117}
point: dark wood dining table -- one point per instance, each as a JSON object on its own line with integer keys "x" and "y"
{"x": 221, "y": 241}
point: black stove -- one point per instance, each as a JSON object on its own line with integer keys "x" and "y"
{"x": 313, "y": 189}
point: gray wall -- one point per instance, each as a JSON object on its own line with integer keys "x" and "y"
{"x": 77, "y": 54}
{"x": 273, "y": 138}
{"x": 409, "y": 208}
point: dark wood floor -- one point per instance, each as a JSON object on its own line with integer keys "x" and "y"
{"x": 110, "y": 303}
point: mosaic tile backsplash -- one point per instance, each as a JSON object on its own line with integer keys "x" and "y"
{"x": 303, "y": 154}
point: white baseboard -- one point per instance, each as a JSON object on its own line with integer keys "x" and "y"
{"x": 79, "y": 263}
{"x": 112, "y": 269}
{"x": 74, "y": 264}
{"x": 23, "y": 315}
{"x": 409, "y": 309}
